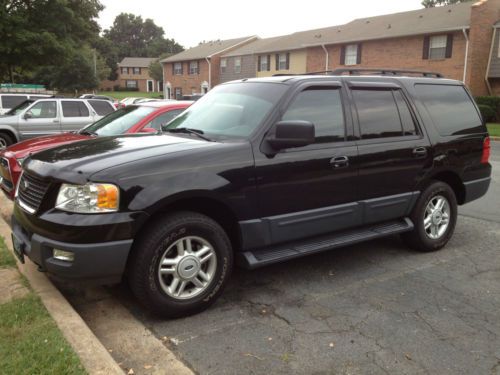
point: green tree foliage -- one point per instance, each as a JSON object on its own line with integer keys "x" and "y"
{"x": 40, "y": 37}
{"x": 435, "y": 3}
{"x": 130, "y": 35}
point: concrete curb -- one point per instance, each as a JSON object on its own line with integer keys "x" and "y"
{"x": 95, "y": 358}
{"x": 495, "y": 138}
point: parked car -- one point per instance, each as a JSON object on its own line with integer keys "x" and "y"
{"x": 261, "y": 171}
{"x": 132, "y": 119}
{"x": 11, "y": 100}
{"x": 50, "y": 116}
{"x": 128, "y": 101}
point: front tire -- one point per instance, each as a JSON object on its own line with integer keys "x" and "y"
{"x": 180, "y": 265}
{"x": 434, "y": 217}
{"x": 5, "y": 141}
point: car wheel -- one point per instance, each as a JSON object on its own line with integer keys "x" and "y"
{"x": 180, "y": 265}
{"x": 5, "y": 141}
{"x": 434, "y": 217}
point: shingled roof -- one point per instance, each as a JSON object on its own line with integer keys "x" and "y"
{"x": 207, "y": 49}
{"x": 416, "y": 22}
{"x": 137, "y": 62}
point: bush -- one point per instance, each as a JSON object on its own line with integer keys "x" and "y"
{"x": 491, "y": 101}
{"x": 488, "y": 113}
{"x": 118, "y": 88}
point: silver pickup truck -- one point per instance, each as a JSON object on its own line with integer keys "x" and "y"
{"x": 49, "y": 116}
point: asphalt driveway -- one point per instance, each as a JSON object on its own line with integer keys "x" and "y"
{"x": 374, "y": 308}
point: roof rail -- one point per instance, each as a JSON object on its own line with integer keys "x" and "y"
{"x": 369, "y": 71}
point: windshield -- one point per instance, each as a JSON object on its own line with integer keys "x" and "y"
{"x": 19, "y": 108}
{"x": 118, "y": 122}
{"x": 230, "y": 111}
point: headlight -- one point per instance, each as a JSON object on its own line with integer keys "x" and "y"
{"x": 89, "y": 198}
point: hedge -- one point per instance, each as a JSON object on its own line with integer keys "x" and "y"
{"x": 489, "y": 107}
{"x": 488, "y": 113}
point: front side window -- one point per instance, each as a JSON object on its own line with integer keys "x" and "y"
{"x": 118, "y": 122}
{"x": 45, "y": 109}
{"x": 101, "y": 107}
{"x": 450, "y": 108}
{"x": 323, "y": 107}
{"x": 437, "y": 47}
{"x": 351, "y": 54}
{"x": 237, "y": 65}
{"x": 193, "y": 67}
{"x": 377, "y": 113}
{"x": 74, "y": 108}
{"x": 178, "y": 69}
{"x": 231, "y": 110}
{"x": 223, "y": 65}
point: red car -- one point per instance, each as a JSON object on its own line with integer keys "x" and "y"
{"x": 141, "y": 118}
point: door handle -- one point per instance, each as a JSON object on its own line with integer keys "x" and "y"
{"x": 56, "y": 121}
{"x": 420, "y": 152}
{"x": 339, "y": 162}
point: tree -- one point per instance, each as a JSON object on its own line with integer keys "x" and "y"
{"x": 156, "y": 70}
{"x": 435, "y": 3}
{"x": 37, "y": 35}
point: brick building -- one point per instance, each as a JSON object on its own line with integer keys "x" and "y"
{"x": 197, "y": 69}
{"x": 133, "y": 73}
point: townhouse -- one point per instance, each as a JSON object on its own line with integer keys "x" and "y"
{"x": 133, "y": 74}
{"x": 197, "y": 69}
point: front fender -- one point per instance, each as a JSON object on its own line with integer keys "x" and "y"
{"x": 11, "y": 130}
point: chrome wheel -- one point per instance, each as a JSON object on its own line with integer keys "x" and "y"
{"x": 437, "y": 217}
{"x": 3, "y": 143}
{"x": 187, "y": 267}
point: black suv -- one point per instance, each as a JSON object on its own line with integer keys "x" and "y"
{"x": 259, "y": 171}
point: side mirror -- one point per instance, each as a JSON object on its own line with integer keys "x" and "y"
{"x": 28, "y": 115}
{"x": 290, "y": 134}
{"x": 149, "y": 130}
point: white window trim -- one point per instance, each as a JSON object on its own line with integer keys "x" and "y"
{"x": 237, "y": 71}
{"x": 281, "y": 60}
{"x": 147, "y": 85}
{"x": 442, "y": 44}
{"x": 351, "y": 54}
{"x": 223, "y": 65}
{"x": 178, "y": 72}
{"x": 263, "y": 63}
{"x": 193, "y": 67}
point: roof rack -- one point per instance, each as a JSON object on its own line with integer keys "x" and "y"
{"x": 368, "y": 71}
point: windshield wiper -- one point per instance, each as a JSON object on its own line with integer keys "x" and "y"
{"x": 87, "y": 132}
{"x": 199, "y": 133}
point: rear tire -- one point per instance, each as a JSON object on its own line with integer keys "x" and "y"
{"x": 180, "y": 265}
{"x": 434, "y": 217}
{"x": 5, "y": 140}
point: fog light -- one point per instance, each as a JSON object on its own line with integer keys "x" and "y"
{"x": 68, "y": 256}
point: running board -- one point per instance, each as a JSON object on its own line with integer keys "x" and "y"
{"x": 280, "y": 253}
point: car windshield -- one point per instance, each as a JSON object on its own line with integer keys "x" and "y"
{"x": 233, "y": 110}
{"x": 19, "y": 108}
{"x": 118, "y": 122}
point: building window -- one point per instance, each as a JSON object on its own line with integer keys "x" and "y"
{"x": 437, "y": 47}
{"x": 178, "y": 93}
{"x": 130, "y": 84}
{"x": 237, "y": 65}
{"x": 137, "y": 70}
{"x": 193, "y": 67}
{"x": 124, "y": 70}
{"x": 351, "y": 54}
{"x": 178, "y": 69}
{"x": 223, "y": 65}
{"x": 283, "y": 61}
{"x": 264, "y": 63}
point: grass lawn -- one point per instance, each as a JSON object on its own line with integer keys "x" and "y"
{"x": 494, "y": 130}
{"x": 134, "y": 94}
{"x": 30, "y": 342}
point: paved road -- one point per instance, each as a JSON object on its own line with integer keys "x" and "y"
{"x": 374, "y": 308}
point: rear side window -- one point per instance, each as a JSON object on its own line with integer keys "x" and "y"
{"x": 74, "y": 109}
{"x": 383, "y": 113}
{"x": 10, "y": 101}
{"x": 101, "y": 107}
{"x": 323, "y": 107}
{"x": 450, "y": 108}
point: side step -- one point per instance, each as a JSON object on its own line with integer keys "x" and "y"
{"x": 280, "y": 253}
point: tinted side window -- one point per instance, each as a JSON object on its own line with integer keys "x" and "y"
{"x": 45, "y": 109}
{"x": 405, "y": 115}
{"x": 163, "y": 119}
{"x": 450, "y": 108}
{"x": 323, "y": 107}
{"x": 34, "y": 97}
{"x": 378, "y": 114}
{"x": 101, "y": 107}
{"x": 10, "y": 101}
{"x": 74, "y": 109}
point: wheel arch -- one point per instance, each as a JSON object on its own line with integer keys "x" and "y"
{"x": 10, "y": 132}
{"x": 454, "y": 181}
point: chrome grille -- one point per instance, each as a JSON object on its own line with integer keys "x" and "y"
{"x": 31, "y": 191}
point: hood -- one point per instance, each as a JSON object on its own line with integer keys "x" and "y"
{"x": 9, "y": 119}
{"x": 31, "y": 146}
{"x": 75, "y": 162}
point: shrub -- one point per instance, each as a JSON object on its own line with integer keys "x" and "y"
{"x": 491, "y": 101}
{"x": 488, "y": 113}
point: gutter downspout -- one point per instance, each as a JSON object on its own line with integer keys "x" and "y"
{"x": 209, "y": 72}
{"x": 490, "y": 91}
{"x": 163, "y": 80}
{"x": 327, "y": 57}
{"x": 466, "y": 53}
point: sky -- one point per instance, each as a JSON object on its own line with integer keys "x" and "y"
{"x": 194, "y": 21}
